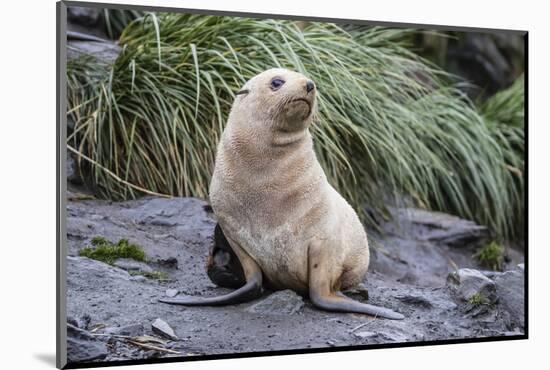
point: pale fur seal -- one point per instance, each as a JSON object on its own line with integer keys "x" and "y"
{"x": 286, "y": 224}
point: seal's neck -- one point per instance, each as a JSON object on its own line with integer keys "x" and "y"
{"x": 264, "y": 141}
{"x": 281, "y": 138}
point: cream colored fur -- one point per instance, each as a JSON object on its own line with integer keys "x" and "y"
{"x": 270, "y": 194}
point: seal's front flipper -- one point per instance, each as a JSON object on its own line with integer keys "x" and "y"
{"x": 252, "y": 289}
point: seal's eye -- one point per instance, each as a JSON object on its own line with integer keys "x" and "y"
{"x": 276, "y": 83}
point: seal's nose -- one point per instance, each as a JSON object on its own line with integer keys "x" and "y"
{"x": 309, "y": 85}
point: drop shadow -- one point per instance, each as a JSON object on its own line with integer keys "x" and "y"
{"x": 46, "y": 358}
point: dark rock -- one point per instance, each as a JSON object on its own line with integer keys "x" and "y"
{"x": 160, "y": 327}
{"x": 82, "y": 346}
{"x": 129, "y": 264}
{"x": 82, "y": 322}
{"x": 81, "y": 36}
{"x": 410, "y": 247}
{"x": 469, "y": 284}
{"x": 170, "y": 262}
{"x": 86, "y": 21}
{"x": 490, "y": 61}
{"x": 442, "y": 228}
{"x": 284, "y": 302}
{"x": 90, "y": 268}
{"x": 105, "y": 51}
{"x": 71, "y": 320}
{"x": 83, "y": 16}
{"x": 510, "y": 290}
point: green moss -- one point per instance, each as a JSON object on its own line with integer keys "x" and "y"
{"x": 477, "y": 299}
{"x": 99, "y": 240}
{"x": 158, "y": 275}
{"x": 108, "y": 252}
{"x": 491, "y": 256}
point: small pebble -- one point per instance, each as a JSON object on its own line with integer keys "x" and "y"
{"x": 160, "y": 327}
{"x": 365, "y": 334}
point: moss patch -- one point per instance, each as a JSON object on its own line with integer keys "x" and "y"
{"x": 491, "y": 256}
{"x": 105, "y": 251}
{"x": 477, "y": 299}
{"x": 157, "y": 275}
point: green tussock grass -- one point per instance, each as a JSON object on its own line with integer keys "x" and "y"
{"x": 506, "y": 107}
{"x": 388, "y": 123}
{"x": 106, "y": 251}
{"x": 115, "y": 20}
{"x": 491, "y": 256}
{"x": 504, "y": 116}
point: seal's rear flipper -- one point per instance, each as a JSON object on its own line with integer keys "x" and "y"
{"x": 252, "y": 289}
{"x": 322, "y": 294}
{"x": 333, "y": 302}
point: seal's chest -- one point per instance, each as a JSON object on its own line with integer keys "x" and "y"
{"x": 266, "y": 244}
{"x": 279, "y": 253}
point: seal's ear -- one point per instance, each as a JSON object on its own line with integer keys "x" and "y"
{"x": 242, "y": 92}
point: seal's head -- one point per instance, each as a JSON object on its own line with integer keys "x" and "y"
{"x": 283, "y": 99}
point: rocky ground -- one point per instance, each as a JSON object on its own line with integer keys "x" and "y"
{"x": 421, "y": 267}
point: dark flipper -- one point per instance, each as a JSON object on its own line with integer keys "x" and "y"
{"x": 224, "y": 268}
{"x": 247, "y": 292}
{"x": 252, "y": 289}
